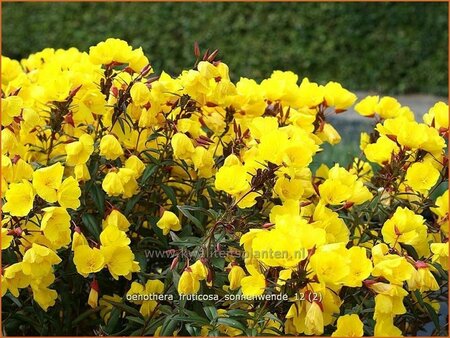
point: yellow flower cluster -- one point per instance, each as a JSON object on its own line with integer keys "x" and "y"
{"x": 101, "y": 160}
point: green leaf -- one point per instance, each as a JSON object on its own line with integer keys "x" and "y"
{"x": 231, "y": 323}
{"x": 193, "y": 319}
{"x": 185, "y": 211}
{"x": 131, "y": 203}
{"x": 125, "y": 308}
{"x": 187, "y": 241}
{"x": 148, "y": 172}
{"x": 238, "y": 313}
{"x": 113, "y": 321}
{"x": 169, "y": 326}
{"x": 84, "y": 315}
{"x": 218, "y": 263}
{"x": 136, "y": 320}
{"x": 98, "y": 196}
{"x": 192, "y": 330}
{"x": 14, "y": 299}
{"x": 211, "y": 312}
{"x": 91, "y": 224}
{"x": 411, "y": 251}
{"x": 170, "y": 193}
{"x": 433, "y": 315}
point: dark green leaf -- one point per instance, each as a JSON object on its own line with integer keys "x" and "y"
{"x": 185, "y": 211}
{"x": 170, "y": 193}
{"x": 434, "y": 317}
{"x": 148, "y": 172}
{"x": 125, "y": 308}
{"x": 92, "y": 225}
{"x": 211, "y": 312}
{"x": 84, "y": 315}
{"x": 98, "y": 196}
{"x": 169, "y": 326}
{"x": 231, "y": 322}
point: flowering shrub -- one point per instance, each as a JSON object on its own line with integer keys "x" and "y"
{"x": 136, "y": 204}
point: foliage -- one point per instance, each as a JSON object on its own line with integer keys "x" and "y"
{"x": 386, "y": 47}
{"x": 136, "y": 204}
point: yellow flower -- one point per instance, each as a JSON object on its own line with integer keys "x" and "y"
{"x": 81, "y": 172}
{"x": 93, "y": 295}
{"x": 45, "y": 297}
{"x": 19, "y": 199}
{"x": 422, "y": 278}
{"x": 129, "y": 183}
{"x": 338, "y": 97}
{"x": 56, "y": 226}
{"x": 310, "y": 94}
{"x": 384, "y": 327}
{"x": 78, "y": 239}
{"x": 232, "y": 179}
{"x": 88, "y": 260}
{"x": 107, "y": 307}
{"x": 360, "y": 266}
{"x": 404, "y": 227}
{"x": 334, "y": 192}
{"x": 47, "y": 181}
{"x": 203, "y": 162}
{"x": 69, "y": 193}
{"x": 366, "y": 107}
{"x": 169, "y": 222}
{"x": 235, "y": 276}
{"x": 6, "y": 239}
{"x": 78, "y": 152}
{"x": 394, "y": 268}
{"x": 182, "y": 146}
{"x": 134, "y": 163}
{"x": 291, "y": 189}
{"x": 89, "y": 100}
{"x": 329, "y": 134}
{"x": 22, "y": 170}
{"x": 112, "y": 236}
{"x": 349, "y": 326}
{"x": 140, "y": 94}
{"x": 138, "y": 60}
{"x": 314, "y": 319}
{"x": 381, "y": 151}
{"x": 440, "y": 254}
{"x": 442, "y": 205}
{"x": 110, "y": 147}
{"x": 188, "y": 283}
{"x": 110, "y": 50}
{"x": 38, "y": 261}
{"x": 11, "y": 107}
{"x": 253, "y": 285}
{"x": 437, "y": 115}
{"x": 387, "y": 107}
{"x": 152, "y": 287}
{"x": 331, "y": 263}
{"x": 14, "y": 278}
{"x": 112, "y": 184}
{"x": 422, "y": 176}
{"x": 136, "y": 289}
{"x": 119, "y": 260}
{"x": 199, "y": 270}
{"x": 117, "y": 219}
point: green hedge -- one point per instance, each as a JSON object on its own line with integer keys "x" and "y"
{"x": 389, "y": 47}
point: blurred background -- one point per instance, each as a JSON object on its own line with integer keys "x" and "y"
{"x": 397, "y": 49}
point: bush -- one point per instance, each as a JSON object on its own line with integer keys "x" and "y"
{"x": 136, "y": 204}
{"x": 386, "y": 47}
